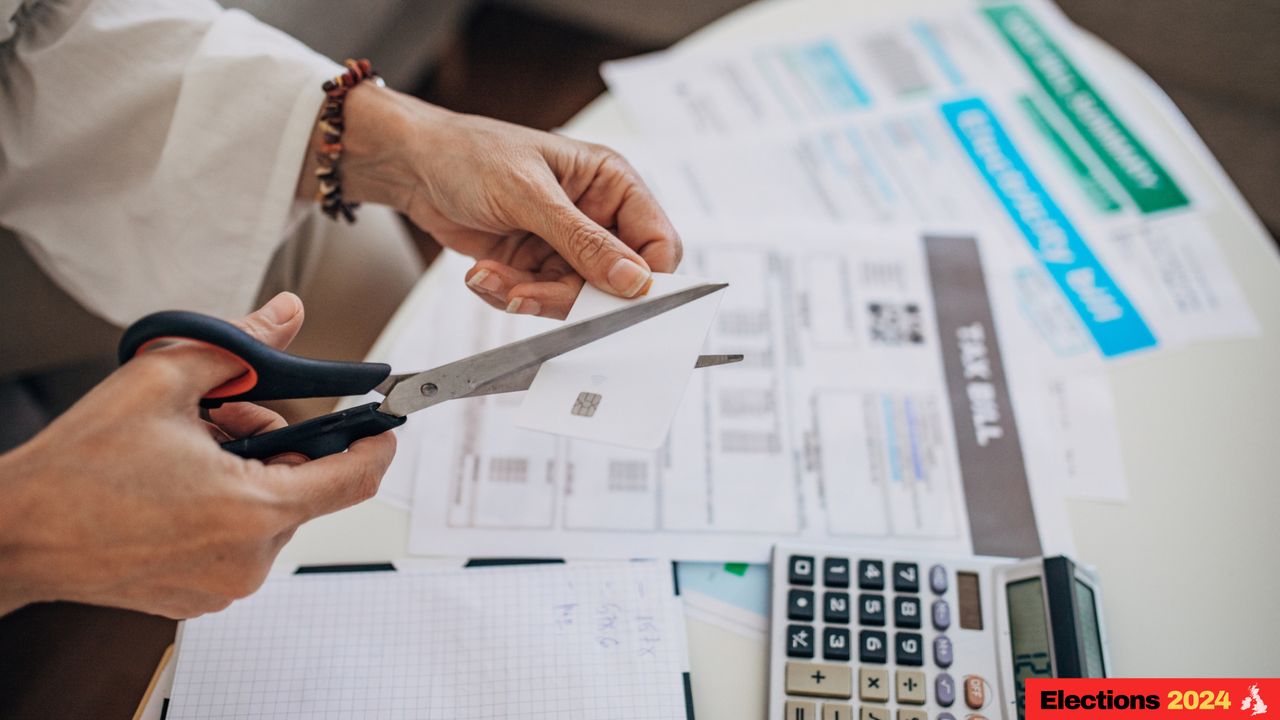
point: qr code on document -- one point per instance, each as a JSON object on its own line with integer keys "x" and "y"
{"x": 895, "y": 323}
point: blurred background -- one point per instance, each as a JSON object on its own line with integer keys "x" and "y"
{"x": 535, "y": 62}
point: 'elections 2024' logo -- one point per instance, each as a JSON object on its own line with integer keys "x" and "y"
{"x": 1132, "y": 698}
{"x": 1253, "y": 702}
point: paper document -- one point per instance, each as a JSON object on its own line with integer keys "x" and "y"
{"x": 622, "y": 389}
{"x": 523, "y": 642}
{"x": 985, "y": 114}
{"x": 850, "y": 420}
{"x": 733, "y": 596}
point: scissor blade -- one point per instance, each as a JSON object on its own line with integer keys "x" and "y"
{"x": 518, "y": 381}
{"x": 713, "y": 360}
{"x": 494, "y": 368}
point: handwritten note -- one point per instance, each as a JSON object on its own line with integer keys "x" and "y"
{"x": 564, "y": 641}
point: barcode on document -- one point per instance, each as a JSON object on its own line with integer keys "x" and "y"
{"x": 508, "y": 470}
{"x": 895, "y": 323}
{"x": 749, "y": 442}
{"x": 628, "y": 475}
{"x": 897, "y": 64}
{"x": 746, "y": 401}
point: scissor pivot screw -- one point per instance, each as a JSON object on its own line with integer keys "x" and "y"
{"x": 429, "y": 389}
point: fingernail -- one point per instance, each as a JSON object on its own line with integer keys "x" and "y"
{"x": 486, "y": 280}
{"x": 281, "y": 308}
{"x": 524, "y": 306}
{"x": 627, "y": 278}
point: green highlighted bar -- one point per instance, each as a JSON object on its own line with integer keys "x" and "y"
{"x": 1093, "y": 189}
{"x": 1137, "y": 171}
{"x": 738, "y": 569}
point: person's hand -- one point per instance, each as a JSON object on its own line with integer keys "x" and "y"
{"x": 127, "y": 500}
{"x": 539, "y": 212}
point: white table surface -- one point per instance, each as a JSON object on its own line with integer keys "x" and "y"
{"x": 1190, "y": 577}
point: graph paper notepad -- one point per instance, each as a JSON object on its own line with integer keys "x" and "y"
{"x": 543, "y": 642}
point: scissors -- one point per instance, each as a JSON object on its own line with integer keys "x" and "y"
{"x": 270, "y": 374}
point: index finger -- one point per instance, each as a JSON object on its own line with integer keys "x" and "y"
{"x": 319, "y": 487}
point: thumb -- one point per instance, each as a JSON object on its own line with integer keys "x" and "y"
{"x": 193, "y": 370}
{"x": 599, "y": 257}
{"x": 276, "y": 323}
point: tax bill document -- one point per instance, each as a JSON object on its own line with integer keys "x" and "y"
{"x": 994, "y": 115}
{"x": 877, "y": 404}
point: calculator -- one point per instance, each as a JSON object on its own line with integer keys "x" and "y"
{"x": 913, "y": 636}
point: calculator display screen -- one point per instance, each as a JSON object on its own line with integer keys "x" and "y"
{"x": 1029, "y": 635}
{"x": 1088, "y": 624}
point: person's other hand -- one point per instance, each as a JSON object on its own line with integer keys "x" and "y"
{"x": 539, "y": 212}
{"x": 127, "y": 500}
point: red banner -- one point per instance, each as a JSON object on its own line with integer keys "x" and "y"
{"x": 1146, "y": 698}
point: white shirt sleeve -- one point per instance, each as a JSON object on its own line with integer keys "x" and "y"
{"x": 150, "y": 149}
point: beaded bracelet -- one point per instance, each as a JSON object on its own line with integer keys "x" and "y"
{"x": 329, "y": 194}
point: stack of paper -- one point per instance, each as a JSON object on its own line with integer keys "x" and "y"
{"x": 939, "y": 228}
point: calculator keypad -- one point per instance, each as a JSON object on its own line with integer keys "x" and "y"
{"x": 837, "y": 711}
{"x": 800, "y": 641}
{"x": 906, "y": 577}
{"x": 835, "y": 607}
{"x": 941, "y": 613}
{"x": 873, "y": 684}
{"x": 975, "y": 692}
{"x": 944, "y": 690}
{"x": 909, "y": 649}
{"x": 942, "y": 651}
{"x": 820, "y": 680}
{"x": 800, "y": 570}
{"x": 856, "y": 641}
{"x": 871, "y": 609}
{"x": 870, "y": 574}
{"x": 835, "y": 643}
{"x": 800, "y": 604}
{"x": 873, "y": 646}
{"x": 835, "y": 572}
{"x": 906, "y": 612}
{"x": 938, "y": 579}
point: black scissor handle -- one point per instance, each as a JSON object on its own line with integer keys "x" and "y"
{"x": 269, "y": 373}
{"x": 320, "y": 436}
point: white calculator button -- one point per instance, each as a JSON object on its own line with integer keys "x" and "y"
{"x": 837, "y": 711}
{"x": 873, "y": 713}
{"x": 819, "y": 680}
{"x": 873, "y": 684}
{"x": 800, "y": 710}
{"x": 910, "y": 687}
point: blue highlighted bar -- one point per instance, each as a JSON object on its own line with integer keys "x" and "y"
{"x": 925, "y": 35}
{"x": 913, "y": 432}
{"x": 1111, "y": 319}
{"x": 891, "y": 439}
{"x": 832, "y": 75}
